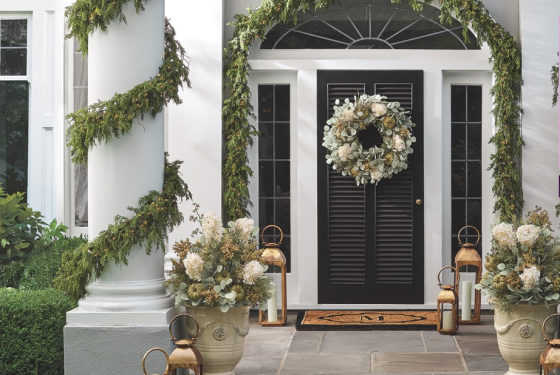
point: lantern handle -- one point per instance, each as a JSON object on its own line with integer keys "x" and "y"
{"x": 189, "y": 316}
{"x": 166, "y": 360}
{"x": 468, "y": 226}
{"x": 456, "y": 281}
{"x": 272, "y": 226}
{"x": 543, "y": 325}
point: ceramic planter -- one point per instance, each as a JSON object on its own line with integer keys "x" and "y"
{"x": 520, "y": 337}
{"x": 221, "y": 340}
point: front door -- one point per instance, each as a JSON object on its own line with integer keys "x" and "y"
{"x": 371, "y": 238}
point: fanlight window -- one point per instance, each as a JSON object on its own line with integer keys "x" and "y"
{"x": 369, "y": 24}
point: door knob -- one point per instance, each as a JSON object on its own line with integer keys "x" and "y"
{"x": 418, "y": 201}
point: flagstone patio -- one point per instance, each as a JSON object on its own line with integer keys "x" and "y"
{"x": 283, "y": 350}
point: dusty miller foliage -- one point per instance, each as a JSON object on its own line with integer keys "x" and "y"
{"x": 237, "y": 109}
{"x": 158, "y": 212}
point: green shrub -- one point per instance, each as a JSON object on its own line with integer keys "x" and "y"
{"x": 31, "y": 333}
{"x": 44, "y": 262}
{"x": 11, "y": 274}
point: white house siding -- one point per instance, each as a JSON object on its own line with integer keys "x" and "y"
{"x": 540, "y": 167}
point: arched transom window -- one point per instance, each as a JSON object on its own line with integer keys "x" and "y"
{"x": 369, "y": 24}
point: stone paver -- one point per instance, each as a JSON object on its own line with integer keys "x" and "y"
{"x": 306, "y": 342}
{"x": 408, "y": 363}
{"x": 372, "y": 341}
{"x": 438, "y": 343}
{"x": 326, "y": 363}
{"x": 485, "y": 363}
{"x": 258, "y": 365}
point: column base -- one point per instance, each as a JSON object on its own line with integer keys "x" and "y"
{"x": 115, "y": 342}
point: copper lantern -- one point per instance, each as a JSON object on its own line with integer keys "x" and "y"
{"x": 447, "y": 306}
{"x": 468, "y": 256}
{"x": 550, "y": 357}
{"x": 273, "y": 256}
{"x": 166, "y": 372}
{"x": 186, "y": 355}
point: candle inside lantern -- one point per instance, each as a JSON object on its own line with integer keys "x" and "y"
{"x": 466, "y": 287}
{"x": 272, "y": 313}
{"x": 447, "y": 320}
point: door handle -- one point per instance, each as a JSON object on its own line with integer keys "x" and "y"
{"x": 418, "y": 201}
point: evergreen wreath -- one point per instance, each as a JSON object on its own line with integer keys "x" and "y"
{"x": 506, "y": 57}
{"x": 346, "y": 151}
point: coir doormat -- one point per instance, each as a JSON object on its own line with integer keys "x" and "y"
{"x": 366, "y": 320}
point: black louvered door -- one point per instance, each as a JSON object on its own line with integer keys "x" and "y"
{"x": 371, "y": 237}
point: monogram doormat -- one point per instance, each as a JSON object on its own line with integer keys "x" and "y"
{"x": 366, "y": 320}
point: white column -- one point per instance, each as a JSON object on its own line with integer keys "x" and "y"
{"x": 127, "y": 168}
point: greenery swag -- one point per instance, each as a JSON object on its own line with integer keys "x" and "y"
{"x": 237, "y": 109}
{"x": 346, "y": 153}
{"x": 157, "y": 212}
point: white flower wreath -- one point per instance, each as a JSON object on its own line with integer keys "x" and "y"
{"x": 345, "y": 149}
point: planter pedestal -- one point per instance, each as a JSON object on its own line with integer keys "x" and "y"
{"x": 520, "y": 337}
{"x": 221, "y": 340}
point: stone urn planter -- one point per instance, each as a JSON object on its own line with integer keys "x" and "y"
{"x": 221, "y": 340}
{"x": 520, "y": 337}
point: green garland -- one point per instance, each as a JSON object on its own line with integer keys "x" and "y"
{"x": 554, "y": 79}
{"x": 237, "y": 109}
{"x": 157, "y": 214}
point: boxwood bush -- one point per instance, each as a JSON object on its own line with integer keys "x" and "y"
{"x": 31, "y": 333}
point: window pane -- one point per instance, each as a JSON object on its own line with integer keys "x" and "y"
{"x": 474, "y": 170}
{"x": 266, "y": 105}
{"x": 14, "y": 123}
{"x": 458, "y": 215}
{"x": 283, "y": 214}
{"x": 474, "y": 213}
{"x": 282, "y": 179}
{"x": 282, "y": 103}
{"x": 458, "y": 103}
{"x": 475, "y": 104}
{"x": 474, "y": 141}
{"x": 458, "y": 181}
{"x": 13, "y": 33}
{"x": 282, "y": 141}
{"x": 458, "y": 142}
{"x": 13, "y": 62}
{"x": 266, "y": 213}
{"x": 266, "y": 141}
{"x": 80, "y": 98}
{"x": 266, "y": 182}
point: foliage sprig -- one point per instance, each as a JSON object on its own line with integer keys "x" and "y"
{"x": 156, "y": 214}
{"x": 237, "y": 109}
{"x": 105, "y": 120}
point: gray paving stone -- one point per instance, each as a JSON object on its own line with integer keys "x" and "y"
{"x": 372, "y": 341}
{"x": 265, "y": 349}
{"x": 483, "y": 346}
{"x": 438, "y": 343}
{"x": 258, "y": 365}
{"x": 305, "y": 346}
{"x": 409, "y": 363}
{"x": 270, "y": 334}
{"x": 326, "y": 363}
{"x": 486, "y": 363}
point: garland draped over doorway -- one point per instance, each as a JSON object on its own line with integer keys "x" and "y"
{"x": 506, "y": 56}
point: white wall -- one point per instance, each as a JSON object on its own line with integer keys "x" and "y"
{"x": 539, "y": 41}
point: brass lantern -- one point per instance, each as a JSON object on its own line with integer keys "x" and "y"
{"x": 166, "y": 372}
{"x": 447, "y": 306}
{"x": 273, "y": 256}
{"x": 550, "y": 357}
{"x": 186, "y": 355}
{"x": 468, "y": 256}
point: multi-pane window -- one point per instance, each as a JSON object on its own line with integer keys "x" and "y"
{"x": 14, "y": 105}
{"x": 466, "y": 167}
{"x": 80, "y": 88}
{"x": 274, "y": 163}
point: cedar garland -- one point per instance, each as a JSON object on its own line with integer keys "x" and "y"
{"x": 237, "y": 109}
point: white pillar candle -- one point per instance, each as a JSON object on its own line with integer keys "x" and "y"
{"x": 447, "y": 320}
{"x": 272, "y": 307}
{"x": 466, "y": 291}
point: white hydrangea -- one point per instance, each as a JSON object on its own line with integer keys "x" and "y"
{"x": 398, "y": 143}
{"x": 245, "y": 226}
{"x": 345, "y": 151}
{"x": 504, "y": 235}
{"x": 211, "y": 225}
{"x": 194, "y": 265}
{"x": 378, "y": 109}
{"x": 530, "y": 277}
{"x": 347, "y": 115}
{"x": 527, "y": 234}
{"x": 376, "y": 175}
{"x": 252, "y": 271}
